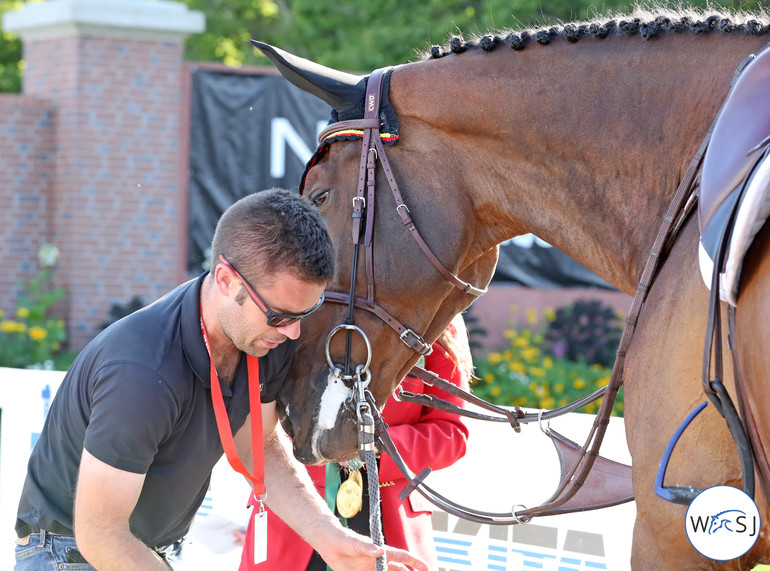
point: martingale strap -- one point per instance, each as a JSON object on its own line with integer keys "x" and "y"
{"x": 609, "y": 484}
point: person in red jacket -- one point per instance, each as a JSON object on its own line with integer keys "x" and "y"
{"x": 424, "y": 437}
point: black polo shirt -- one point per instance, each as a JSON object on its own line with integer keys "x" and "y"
{"x": 138, "y": 398}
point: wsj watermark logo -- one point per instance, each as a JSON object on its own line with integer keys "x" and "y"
{"x": 722, "y": 523}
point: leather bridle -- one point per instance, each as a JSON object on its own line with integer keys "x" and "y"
{"x": 373, "y": 150}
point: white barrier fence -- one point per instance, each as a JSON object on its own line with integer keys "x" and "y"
{"x": 500, "y": 470}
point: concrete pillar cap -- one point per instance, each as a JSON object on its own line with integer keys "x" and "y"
{"x": 161, "y": 20}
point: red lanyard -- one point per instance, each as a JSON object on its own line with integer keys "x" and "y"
{"x": 223, "y": 422}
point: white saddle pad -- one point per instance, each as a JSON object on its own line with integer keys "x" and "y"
{"x": 753, "y": 211}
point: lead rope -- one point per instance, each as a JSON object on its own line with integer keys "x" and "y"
{"x": 367, "y": 452}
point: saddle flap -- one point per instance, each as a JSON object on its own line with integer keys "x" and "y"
{"x": 608, "y": 483}
{"x": 743, "y": 122}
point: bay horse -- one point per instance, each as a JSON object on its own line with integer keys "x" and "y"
{"x": 580, "y": 134}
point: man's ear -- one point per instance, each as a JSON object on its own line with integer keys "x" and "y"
{"x": 224, "y": 280}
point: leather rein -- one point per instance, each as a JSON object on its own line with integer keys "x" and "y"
{"x": 373, "y": 150}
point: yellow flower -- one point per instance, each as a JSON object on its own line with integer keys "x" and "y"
{"x": 509, "y": 333}
{"x": 537, "y": 372}
{"x": 547, "y": 402}
{"x": 494, "y": 358}
{"x": 489, "y": 377}
{"x": 558, "y": 388}
{"x": 520, "y": 401}
{"x": 603, "y": 382}
{"x": 547, "y": 362}
{"x": 37, "y": 333}
{"x": 495, "y": 391}
{"x": 22, "y": 312}
{"x": 520, "y": 342}
{"x": 579, "y": 384}
{"x": 533, "y": 386}
{"x": 549, "y": 314}
{"x": 517, "y": 366}
{"x": 530, "y": 353}
{"x": 10, "y": 326}
{"x": 541, "y": 391}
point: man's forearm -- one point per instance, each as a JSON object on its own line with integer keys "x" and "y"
{"x": 291, "y": 494}
{"x": 117, "y": 550}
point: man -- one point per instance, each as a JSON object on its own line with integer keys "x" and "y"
{"x": 126, "y": 453}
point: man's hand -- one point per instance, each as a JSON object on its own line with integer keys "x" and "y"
{"x": 358, "y": 553}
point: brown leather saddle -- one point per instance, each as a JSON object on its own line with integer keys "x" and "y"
{"x": 741, "y": 127}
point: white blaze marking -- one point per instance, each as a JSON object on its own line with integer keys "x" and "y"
{"x": 334, "y": 395}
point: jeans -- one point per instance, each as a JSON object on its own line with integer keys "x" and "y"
{"x": 46, "y": 552}
{"x": 50, "y": 552}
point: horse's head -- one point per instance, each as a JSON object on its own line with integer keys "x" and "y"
{"x": 404, "y": 299}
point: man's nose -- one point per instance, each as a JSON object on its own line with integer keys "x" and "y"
{"x": 291, "y": 330}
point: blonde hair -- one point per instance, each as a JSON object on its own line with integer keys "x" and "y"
{"x": 454, "y": 340}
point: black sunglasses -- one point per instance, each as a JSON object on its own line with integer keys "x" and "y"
{"x": 274, "y": 319}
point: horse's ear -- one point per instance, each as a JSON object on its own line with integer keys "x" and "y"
{"x": 342, "y": 91}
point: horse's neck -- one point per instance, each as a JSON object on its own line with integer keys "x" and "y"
{"x": 583, "y": 145}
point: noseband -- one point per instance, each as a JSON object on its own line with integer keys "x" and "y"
{"x": 372, "y": 149}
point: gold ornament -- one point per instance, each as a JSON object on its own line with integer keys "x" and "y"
{"x": 350, "y": 496}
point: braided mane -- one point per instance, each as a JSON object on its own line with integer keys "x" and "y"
{"x": 643, "y": 23}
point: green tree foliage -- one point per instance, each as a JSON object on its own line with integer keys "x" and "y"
{"x": 10, "y": 53}
{"x": 362, "y": 35}
{"x": 354, "y": 35}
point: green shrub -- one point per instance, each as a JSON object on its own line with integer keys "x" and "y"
{"x": 526, "y": 373}
{"x": 29, "y": 336}
{"x": 585, "y": 330}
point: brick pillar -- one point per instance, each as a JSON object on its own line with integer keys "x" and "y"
{"x": 117, "y": 210}
{"x": 26, "y": 181}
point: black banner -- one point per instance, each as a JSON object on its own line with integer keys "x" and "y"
{"x": 253, "y": 132}
{"x": 247, "y": 133}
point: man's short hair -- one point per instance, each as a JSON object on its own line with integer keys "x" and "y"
{"x": 274, "y": 231}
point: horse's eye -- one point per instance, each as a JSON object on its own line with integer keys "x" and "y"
{"x": 320, "y": 199}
